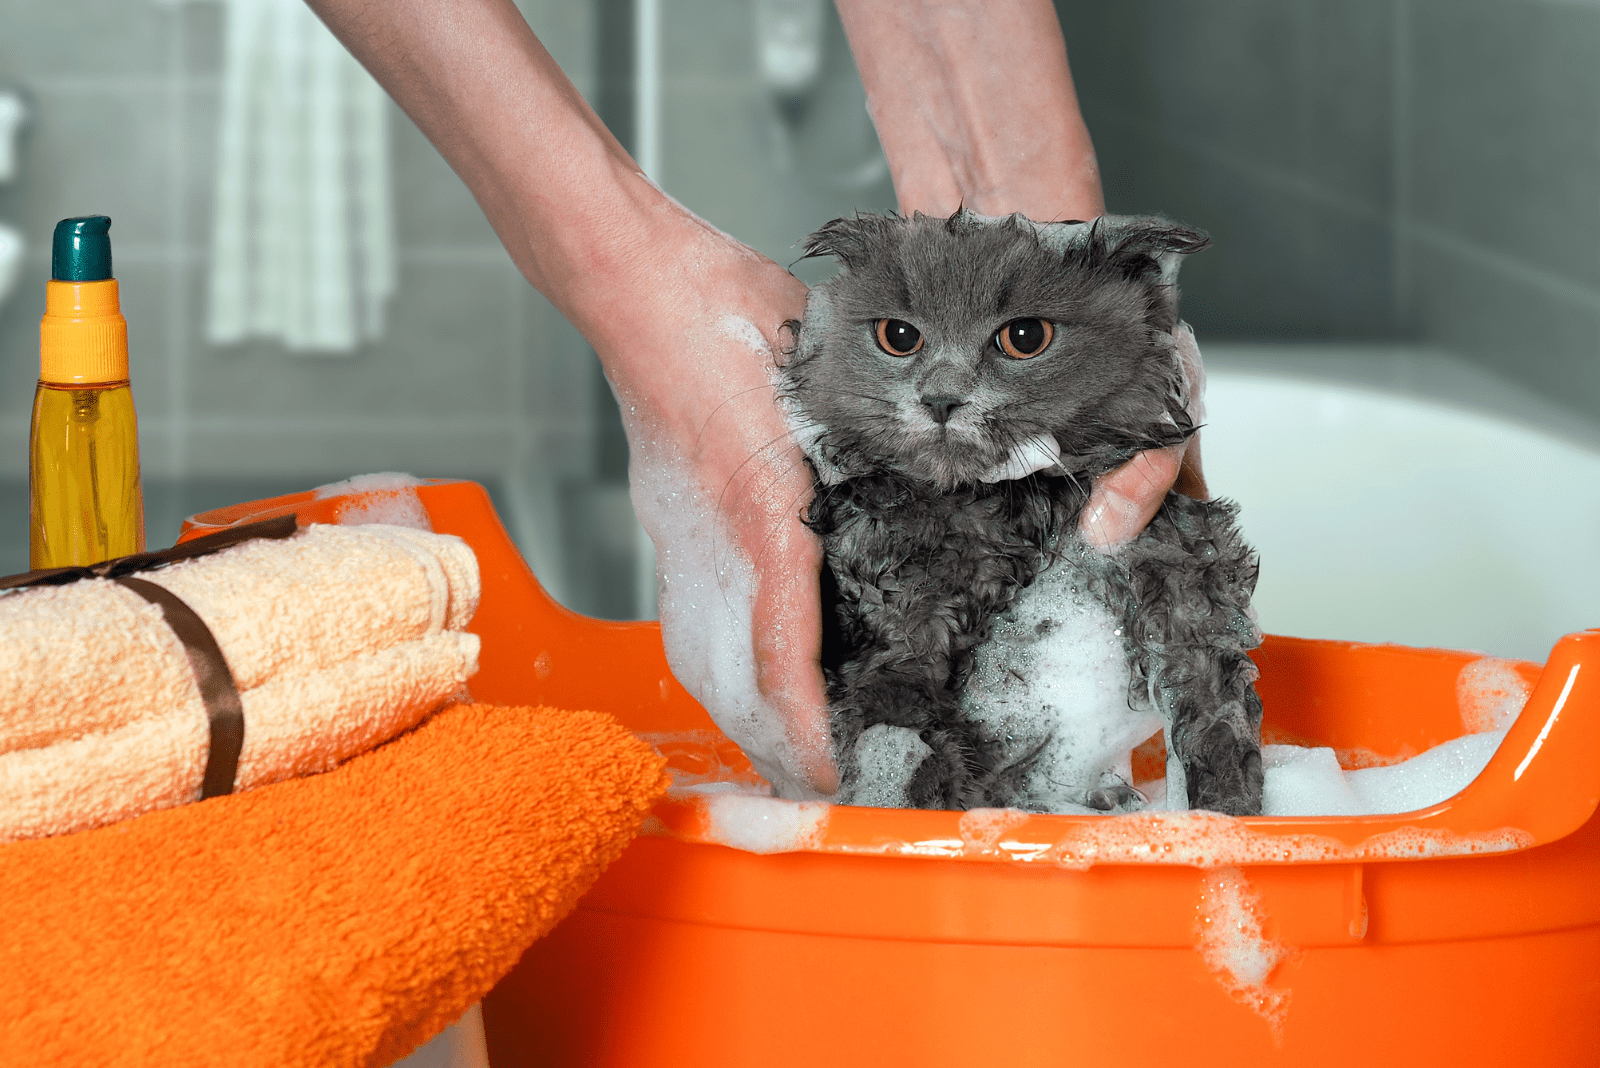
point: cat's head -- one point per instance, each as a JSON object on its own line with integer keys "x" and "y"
{"x": 972, "y": 349}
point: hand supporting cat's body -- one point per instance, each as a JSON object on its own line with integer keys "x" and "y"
{"x": 970, "y": 636}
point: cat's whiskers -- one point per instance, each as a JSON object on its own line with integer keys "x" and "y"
{"x": 849, "y": 393}
{"x": 725, "y": 402}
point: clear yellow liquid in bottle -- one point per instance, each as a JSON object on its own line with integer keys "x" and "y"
{"x": 83, "y": 477}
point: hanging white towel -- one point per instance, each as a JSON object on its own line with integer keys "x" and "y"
{"x": 303, "y": 247}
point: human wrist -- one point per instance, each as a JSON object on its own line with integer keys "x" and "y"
{"x": 960, "y": 129}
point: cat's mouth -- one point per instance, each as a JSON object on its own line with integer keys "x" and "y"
{"x": 952, "y": 454}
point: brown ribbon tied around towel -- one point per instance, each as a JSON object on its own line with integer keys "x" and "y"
{"x": 224, "y": 711}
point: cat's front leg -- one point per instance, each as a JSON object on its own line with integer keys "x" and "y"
{"x": 1213, "y": 728}
{"x": 1186, "y": 607}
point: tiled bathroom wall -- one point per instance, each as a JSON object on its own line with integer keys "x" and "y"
{"x": 765, "y": 167}
{"x": 1423, "y": 170}
{"x": 476, "y": 375}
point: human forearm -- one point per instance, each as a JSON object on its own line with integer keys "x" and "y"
{"x": 587, "y": 229}
{"x": 562, "y": 194}
{"x": 974, "y": 106}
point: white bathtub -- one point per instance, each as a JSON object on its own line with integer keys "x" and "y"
{"x": 1384, "y": 514}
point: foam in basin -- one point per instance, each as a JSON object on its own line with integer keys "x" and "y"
{"x": 1302, "y": 781}
{"x": 1490, "y": 693}
{"x": 758, "y": 824}
{"x": 1309, "y": 782}
{"x": 738, "y": 810}
{"x": 390, "y": 497}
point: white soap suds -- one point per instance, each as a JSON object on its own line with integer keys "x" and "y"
{"x": 1309, "y": 782}
{"x": 706, "y": 579}
{"x": 745, "y": 332}
{"x": 982, "y": 828}
{"x": 1302, "y": 781}
{"x": 758, "y": 824}
{"x": 705, "y": 759}
{"x": 388, "y": 497}
{"x": 886, "y": 757}
{"x": 1231, "y": 939}
{"x": 1434, "y": 776}
{"x": 1491, "y": 692}
{"x": 378, "y": 481}
{"x": 1054, "y": 668}
{"x": 747, "y": 817}
{"x": 706, "y": 603}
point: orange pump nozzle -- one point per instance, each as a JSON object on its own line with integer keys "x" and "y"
{"x": 83, "y": 338}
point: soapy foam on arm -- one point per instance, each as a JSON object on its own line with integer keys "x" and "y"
{"x": 707, "y": 582}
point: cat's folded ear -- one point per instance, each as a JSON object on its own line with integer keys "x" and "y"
{"x": 851, "y": 241}
{"x": 1152, "y": 235}
{"x": 1147, "y": 246}
{"x": 1148, "y": 249}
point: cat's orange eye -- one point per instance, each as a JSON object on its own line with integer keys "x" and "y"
{"x": 898, "y": 337}
{"x": 1022, "y": 338}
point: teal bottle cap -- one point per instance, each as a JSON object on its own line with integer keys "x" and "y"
{"x": 81, "y": 250}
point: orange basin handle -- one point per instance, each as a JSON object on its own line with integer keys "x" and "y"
{"x": 1545, "y": 778}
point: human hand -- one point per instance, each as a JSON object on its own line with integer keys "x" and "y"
{"x": 719, "y": 484}
{"x": 1123, "y": 500}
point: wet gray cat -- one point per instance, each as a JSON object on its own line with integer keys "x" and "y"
{"x": 956, "y": 387}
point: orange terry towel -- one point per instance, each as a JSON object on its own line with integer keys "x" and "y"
{"x": 338, "y": 638}
{"x": 337, "y": 920}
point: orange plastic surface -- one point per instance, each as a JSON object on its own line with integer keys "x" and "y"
{"x": 83, "y": 337}
{"x": 1467, "y": 933}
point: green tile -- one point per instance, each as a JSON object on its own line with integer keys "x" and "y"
{"x": 1543, "y": 335}
{"x": 1223, "y": 72}
{"x": 99, "y": 150}
{"x": 445, "y": 354}
{"x": 1285, "y": 263}
{"x": 1505, "y": 122}
{"x": 1347, "y": 122}
{"x": 64, "y": 39}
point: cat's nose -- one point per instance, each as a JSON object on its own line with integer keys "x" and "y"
{"x": 940, "y": 406}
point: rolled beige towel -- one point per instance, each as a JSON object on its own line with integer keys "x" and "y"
{"x": 296, "y": 725}
{"x": 338, "y": 639}
{"x": 93, "y": 656}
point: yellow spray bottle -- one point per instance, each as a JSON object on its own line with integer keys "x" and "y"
{"x": 83, "y": 472}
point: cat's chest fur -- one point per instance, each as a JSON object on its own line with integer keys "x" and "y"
{"x": 977, "y": 658}
{"x": 1053, "y": 684}
{"x": 978, "y": 654}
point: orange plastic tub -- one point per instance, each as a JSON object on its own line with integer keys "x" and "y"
{"x": 1467, "y": 933}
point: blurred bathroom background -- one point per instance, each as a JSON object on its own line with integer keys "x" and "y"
{"x": 1402, "y": 192}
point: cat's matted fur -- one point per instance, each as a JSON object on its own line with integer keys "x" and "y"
{"x": 956, "y": 388}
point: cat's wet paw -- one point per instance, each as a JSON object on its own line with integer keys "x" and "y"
{"x": 1118, "y": 798}
{"x": 1230, "y": 777}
